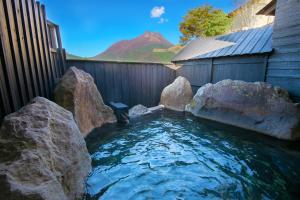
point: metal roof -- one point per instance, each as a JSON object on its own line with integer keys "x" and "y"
{"x": 252, "y": 41}
{"x": 201, "y": 46}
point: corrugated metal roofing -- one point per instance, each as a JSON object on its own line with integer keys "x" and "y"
{"x": 207, "y": 45}
{"x": 252, "y": 41}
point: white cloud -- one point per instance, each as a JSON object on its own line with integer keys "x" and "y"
{"x": 157, "y": 11}
{"x": 163, "y": 20}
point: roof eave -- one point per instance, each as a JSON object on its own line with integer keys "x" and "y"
{"x": 226, "y": 56}
{"x": 269, "y": 9}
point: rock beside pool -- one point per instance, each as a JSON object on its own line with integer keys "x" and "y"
{"x": 140, "y": 110}
{"x": 177, "y": 95}
{"x": 43, "y": 155}
{"x": 78, "y": 93}
{"x": 254, "y": 106}
{"x": 156, "y": 108}
{"x": 137, "y": 111}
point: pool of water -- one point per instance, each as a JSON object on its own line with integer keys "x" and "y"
{"x": 172, "y": 155}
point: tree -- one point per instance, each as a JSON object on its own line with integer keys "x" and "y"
{"x": 204, "y": 21}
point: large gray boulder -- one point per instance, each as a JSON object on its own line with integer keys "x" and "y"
{"x": 177, "y": 95}
{"x": 254, "y": 106}
{"x": 42, "y": 154}
{"x": 78, "y": 93}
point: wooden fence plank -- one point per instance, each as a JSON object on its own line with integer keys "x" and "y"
{"x": 54, "y": 65}
{"x": 144, "y": 84}
{"x": 136, "y": 79}
{"x": 97, "y": 78}
{"x": 109, "y": 82}
{"x": 22, "y": 49}
{"x": 29, "y": 48}
{"x": 45, "y": 55}
{"x": 138, "y": 83}
{"x": 151, "y": 80}
{"x": 102, "y": 76}
{"x": 120, "y": 79}
{"x": 125, "y": 83}
{"x": 2, "y": 112}
{"x": 61, "y": 55}
{"x": 8, "y": 63}
{"x": 52, "y": 39}
{"x": 35, "y": 50}
{"x": 5, "y": 100}
{"x": 14, "y": 43}
{"x": 41, "y": 49}
{"x": 116, "y": 88}
{"x": 46, "y": 42}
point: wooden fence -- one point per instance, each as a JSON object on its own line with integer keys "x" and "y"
{"x": 31, "y": 54}
{"x": 130, "y": 83}
{"x": 247, "y": 68}
{"x": 142, "y": 83}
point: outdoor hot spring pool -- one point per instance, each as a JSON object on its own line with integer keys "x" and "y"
{"x": 171, "y": 155}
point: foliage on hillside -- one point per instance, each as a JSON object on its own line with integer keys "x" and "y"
{"x": 174, "y": 49}
{"x": 74, "y": 57}
{"x": 141, "y": 54}
{"x": 204, "y": 21}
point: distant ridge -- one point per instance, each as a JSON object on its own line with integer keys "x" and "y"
{"x": 74, "y": 57}
{"x": 140, "y": 49}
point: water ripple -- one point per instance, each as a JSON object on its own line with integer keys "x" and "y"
{"x": 176, "y": 156}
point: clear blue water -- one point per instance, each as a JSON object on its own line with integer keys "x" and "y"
{"x": 176, "y": 156}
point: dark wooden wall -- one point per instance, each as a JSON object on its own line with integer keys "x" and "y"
{"x": 142, "y": 83}
{"x": 246, "y": 68}
{"x": 198, "y": 72}
{"x": 284, "y": 64}
{"x": 130, "y": 83}
{"x": 29, "y": 63}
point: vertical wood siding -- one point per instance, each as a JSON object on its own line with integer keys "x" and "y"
{"x": 203, "y": 71}
{"x": 284, "y": 64}
{"x": 130, "y": 83}
{"x": 245, "y": 68}
{"x": 26, "y": 62}
{"x": 142, "y": 83}
{"x": 198, "y": 72}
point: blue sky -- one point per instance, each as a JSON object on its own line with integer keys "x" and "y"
{"x": 88, "y": 27}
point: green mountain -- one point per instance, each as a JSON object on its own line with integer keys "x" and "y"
{"x": 140, "y": 49}
{"x": 74, "y": 57}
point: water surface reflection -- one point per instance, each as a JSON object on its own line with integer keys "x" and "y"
{"x": 175, "y": 156}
